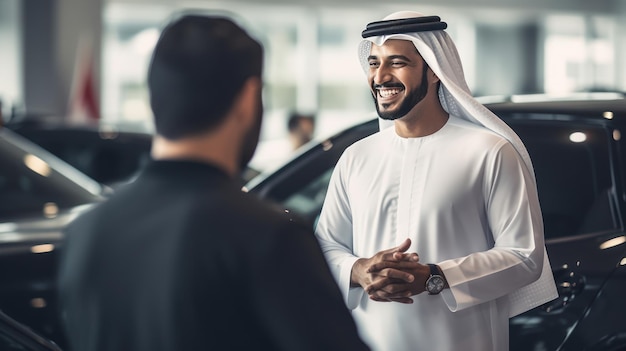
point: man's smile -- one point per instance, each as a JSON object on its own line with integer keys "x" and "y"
{"x": 388, "y": 92}
{"x": 385, "y": 93}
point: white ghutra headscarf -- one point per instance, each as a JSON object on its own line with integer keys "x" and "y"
{"x": 439, "y": 52}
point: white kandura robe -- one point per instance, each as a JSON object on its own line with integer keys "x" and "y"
{"x": 464, "y": 197}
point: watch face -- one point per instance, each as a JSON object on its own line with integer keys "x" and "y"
{"x": 434, "y": 284}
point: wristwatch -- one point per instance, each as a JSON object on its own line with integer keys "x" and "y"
{"x": 434, "y": 283}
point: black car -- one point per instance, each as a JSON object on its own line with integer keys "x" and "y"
{"x": 15, "y": 336}
{"x": 103, "y": 152}
{"x": 578, "y": 153}
{"x": 39, "y": 195}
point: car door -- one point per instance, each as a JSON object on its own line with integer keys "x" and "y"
{"x": 575, "y": 171}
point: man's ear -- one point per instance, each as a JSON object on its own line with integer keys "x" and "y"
{"x": 245, "y": 105}
{"x": 432, "y": 77}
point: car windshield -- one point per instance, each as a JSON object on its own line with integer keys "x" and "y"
{"x": 32, "y": 181}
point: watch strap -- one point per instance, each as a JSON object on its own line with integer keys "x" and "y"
{"x": 433, "y": 269}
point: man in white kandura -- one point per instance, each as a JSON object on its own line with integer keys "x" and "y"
{"x": 450, "y": 182}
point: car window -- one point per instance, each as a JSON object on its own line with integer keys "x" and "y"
{"x": 308, "y": 200}
{"x": 573, "y": 173}
{"x": 29, "y": 182}
{"x": 106, "y": 158}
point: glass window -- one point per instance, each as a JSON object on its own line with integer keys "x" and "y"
{"x": 573, "y": 175}
{"x": 32, "y": 183}
{"x": 579, "y": 53}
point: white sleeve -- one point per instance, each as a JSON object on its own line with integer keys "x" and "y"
{"x": 334, "y": 233}
{"x": 514, "y": 217}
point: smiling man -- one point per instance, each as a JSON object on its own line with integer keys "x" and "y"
{"x": 392, "y": 98}
{"x": 432, "y": 227}
{"x": 400, "y": 80}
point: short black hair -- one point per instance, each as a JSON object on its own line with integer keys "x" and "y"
{"x": 198, "y": 67}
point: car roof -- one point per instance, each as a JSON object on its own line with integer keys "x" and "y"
{"x": 581, "y": 104}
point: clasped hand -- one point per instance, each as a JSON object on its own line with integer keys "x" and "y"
{"x": 391, "y": 275}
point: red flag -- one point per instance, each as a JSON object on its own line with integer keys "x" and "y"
{"x": 83, "y": 102}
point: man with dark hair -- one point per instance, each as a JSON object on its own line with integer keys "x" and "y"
{"x": 182, "y": 259}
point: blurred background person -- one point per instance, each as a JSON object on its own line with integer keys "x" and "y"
{"x": 301, "y": 129}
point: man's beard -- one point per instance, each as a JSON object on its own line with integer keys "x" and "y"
{"x": 251, "y": 138}
{"x": 412, "y": 99}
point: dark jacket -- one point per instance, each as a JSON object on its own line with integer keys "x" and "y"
{"x": 182, "y": 259}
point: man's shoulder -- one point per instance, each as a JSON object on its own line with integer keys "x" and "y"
{"x": 257, "y": 212}
{"x": 475, "y": 132}
{"x": 370, "y": 143}
{"x": 468, "y": 126}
